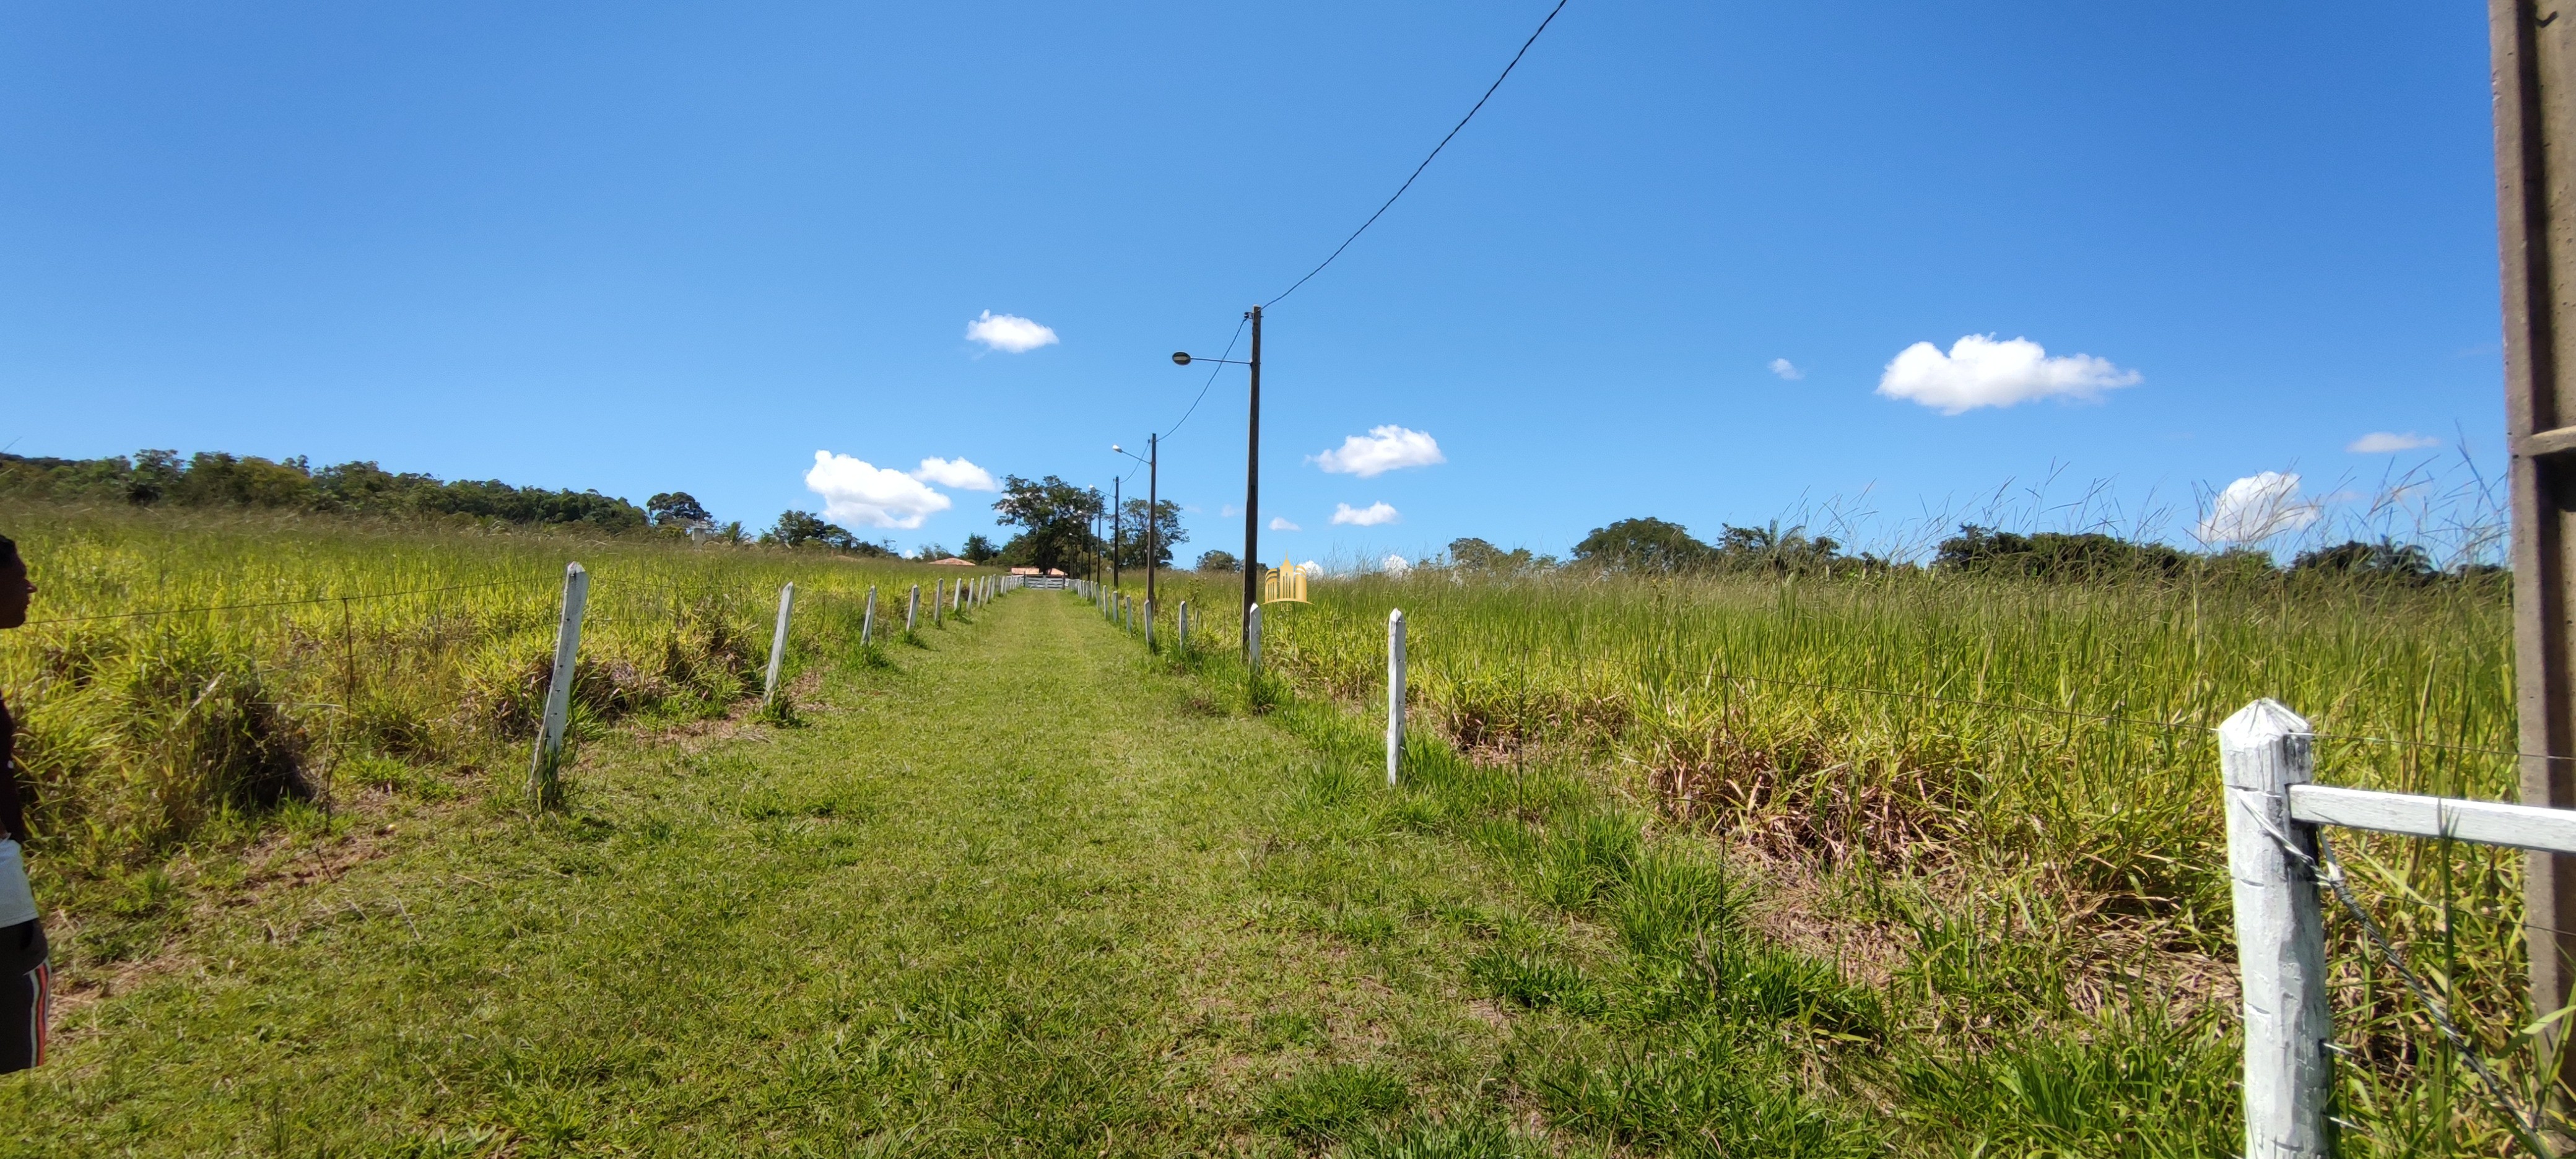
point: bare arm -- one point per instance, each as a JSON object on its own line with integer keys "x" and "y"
{"x": 13, "y": 815}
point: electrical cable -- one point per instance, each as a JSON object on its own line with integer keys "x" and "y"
{"x": 1426, "y": 161}
{"x": 1213, "y": 371}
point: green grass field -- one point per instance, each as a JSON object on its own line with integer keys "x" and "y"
{"x": 1016, "y": 885}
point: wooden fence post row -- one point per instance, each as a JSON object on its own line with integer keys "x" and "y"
{"x": 778, "y": 645}
{"x": 544, "y": 784}
{"x": 1394, "y": 693}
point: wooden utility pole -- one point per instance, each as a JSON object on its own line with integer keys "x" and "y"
{"x": 2535, "y": 107}
{"x": 1252, "y": 492}
{"x": 1117, "y": 529}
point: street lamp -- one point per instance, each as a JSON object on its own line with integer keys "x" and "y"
{"x": 1153, "y": 494}
{"x": 1251, "y": 471}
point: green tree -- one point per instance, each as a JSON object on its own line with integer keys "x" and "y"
{"x": 1167, "y": 531}
{"x": 1219, "y": 560}
{"x": 979, "y": 548}
{"x": 2386, "y": 559}
{"x": 676, "y": 509}
{"x": 803, "y": 529}
{"x": 1054, "y": 518}
{"x": 1478, "y": 555}
{"x": 1647, "y": 544}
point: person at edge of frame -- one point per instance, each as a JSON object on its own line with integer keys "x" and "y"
{"x": 26, "y": 976}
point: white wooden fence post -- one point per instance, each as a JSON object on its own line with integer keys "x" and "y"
{"x": 2280, "y": 933}
{"x": 912, "y": 610}
{"x": 1252, "y": 638}
{"x": 778, "y": 645}
{"x": 957, "y": 596}
{"x": 868, "y": 619}
{"x": 544, "y": 786}
{"x": 1181, "y": 630}
{"x": 1394, "y": 693}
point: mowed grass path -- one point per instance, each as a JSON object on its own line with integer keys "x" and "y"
{"x": 1020, "y": 895}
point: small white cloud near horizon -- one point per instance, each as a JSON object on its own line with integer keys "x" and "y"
{"x": 1280, "y": 523}
{"x": 1008, "y": 333}
{"x": 2385, "y": 443}
{"x": 1787, "y": 369}
{"x": 1979, "y": 371}
{"x": 855, "y": 492}
{"x": 957, "y": 473}
{"x": 1372, "y": 515}
{"x": 1383, "y": 449}
{"x": 2255, "y": 508}
{"x": 1395, "y": 565}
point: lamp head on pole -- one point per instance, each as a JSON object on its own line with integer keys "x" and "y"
{"x": 1180, "y": 358}
{"x": 1119, "y": 449}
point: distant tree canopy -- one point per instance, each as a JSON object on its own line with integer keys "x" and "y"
{"x": 1646, "y": 544}
{"x": 1654, "y": 545}
{"x": 1478, "y": 555}
{"x": 2386, "y": 559}
{"x": 1054, "y": 518}
{"x": 1130, "y": 551}
{"x": 979, "y": 549}
{"x": 2058, "y": 555}
{"x": 806, "y": 529}
{"x": 1219, "y": 560}
{"x": 213, "y": 478}
{"x": 677, "y": 509}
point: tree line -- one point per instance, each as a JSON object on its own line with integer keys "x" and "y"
{"x": 214, "y": 478}
{"x": 1656, "y": 546}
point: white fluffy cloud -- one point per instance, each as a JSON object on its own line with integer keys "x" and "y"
{"x": 956, "y": 473}
{"x": 1280, "y": 523}
{"x": 2382, "y": 443}
{"x": 1979, "y": 371}
{"x": 855, "y": 493}
{"x": 1369, "y": 516}
{"x": 2255, "y": 508}
{"x": 1383, "y": 449}
{"x": 1787, "y": 369}
{"x": 1008, "y": 333}
{"x": 1395, "y": 565}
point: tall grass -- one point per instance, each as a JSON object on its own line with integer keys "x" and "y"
{"x": 195, "y": 677}
{"x": 2000, "y": 796}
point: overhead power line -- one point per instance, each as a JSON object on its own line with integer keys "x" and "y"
{"x": 1213, "y": 371}
{"x": 1426, "y": 161}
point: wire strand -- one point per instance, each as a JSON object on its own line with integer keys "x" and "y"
{"x": 1213, "y": 371}
{"x": 279, "y": 603}
{"x": 1426, "y": 161}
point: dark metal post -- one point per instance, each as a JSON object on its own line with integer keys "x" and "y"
{"x": 1153, "y": 515}
{"x": 1117, "y": 531}
{"x": 2535, "y": 108}
{"x": 1252, "y": 487}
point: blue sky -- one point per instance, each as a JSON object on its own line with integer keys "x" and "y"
{"x": 641, "y": 248}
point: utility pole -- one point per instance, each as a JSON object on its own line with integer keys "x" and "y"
{"x": 2535, "y": 156}
{"x": 1252, "y": 488}
{"x": 1153, "y": 514}
{"x": 1251, "y": 480}
{"x": 1117, "y": 531}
